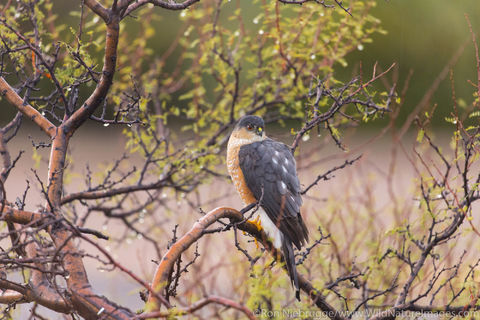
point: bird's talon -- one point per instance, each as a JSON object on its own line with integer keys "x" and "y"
{"x": 257, "y": 223}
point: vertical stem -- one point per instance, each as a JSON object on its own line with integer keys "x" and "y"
{"x": 83, "y": 298}
{"x": 58, "y": 154}
{"x": 61, "y": 237}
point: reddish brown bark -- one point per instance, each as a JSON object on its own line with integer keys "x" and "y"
{"x": 30, "y": 112}
{"x": 198, "y": 305}
{"x": 100, "y": 92}
{"x": 166, "y": 264}
{"x": 168, "y": 260}
{"x": 81, "y": 297}
{"x": 19, "y": 216}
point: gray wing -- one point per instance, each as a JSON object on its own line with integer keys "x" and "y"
{"x": 269, "y": 168}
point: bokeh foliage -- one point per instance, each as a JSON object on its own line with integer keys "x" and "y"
{"x": 227, "y": 64}
{"x": 178, "y": 106}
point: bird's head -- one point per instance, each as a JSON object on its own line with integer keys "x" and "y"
{"x": 250, "y": 128}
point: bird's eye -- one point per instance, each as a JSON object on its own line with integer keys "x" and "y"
{"x": 249, "y": 127}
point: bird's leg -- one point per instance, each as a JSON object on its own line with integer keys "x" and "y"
{"x": 257, "y": 223}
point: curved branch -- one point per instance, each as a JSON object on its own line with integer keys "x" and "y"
{"x": 29, "y": 111}
{"x": 198, "y": 230}
{"x": 84, "y": 300}
{"x": 20, "y": 216}
{"x": 170, "y": 5}
{"x": 44, "y": 293}
{"x": 38, "y": 289}
{"x": 27, "y": 294}
{"x": 168, "y": 260}
{"x": 11, "y": 296}
{"x": 100, "y": 10}
{"x": 100, "y": 92}
{"x": 198, "y": 305}
{"x": 88, "y": 304}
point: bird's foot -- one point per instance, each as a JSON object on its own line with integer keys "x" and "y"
{"x": 257, "y": 223}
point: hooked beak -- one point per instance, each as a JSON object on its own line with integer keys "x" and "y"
{"x": 259, "y": 131}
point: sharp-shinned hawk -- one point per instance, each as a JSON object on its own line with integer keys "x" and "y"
{"x": 264, "y": 170}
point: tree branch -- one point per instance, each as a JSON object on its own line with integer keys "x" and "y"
{"x": 29, "y": 294}
{"x": 198, "y": 230}
{"x": 30, "y": 112}
{"x": 100, "y": 10}
{"x": 101, "y": 194}
{"x": 170, "y": 5}
{"x": 198, "y": 305}
{"x": 100, "y": 92}
{"x": 20, "y": 216}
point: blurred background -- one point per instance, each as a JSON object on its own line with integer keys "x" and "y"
{"x": 428, "y": 38}
{"x": 421, "y": 37}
